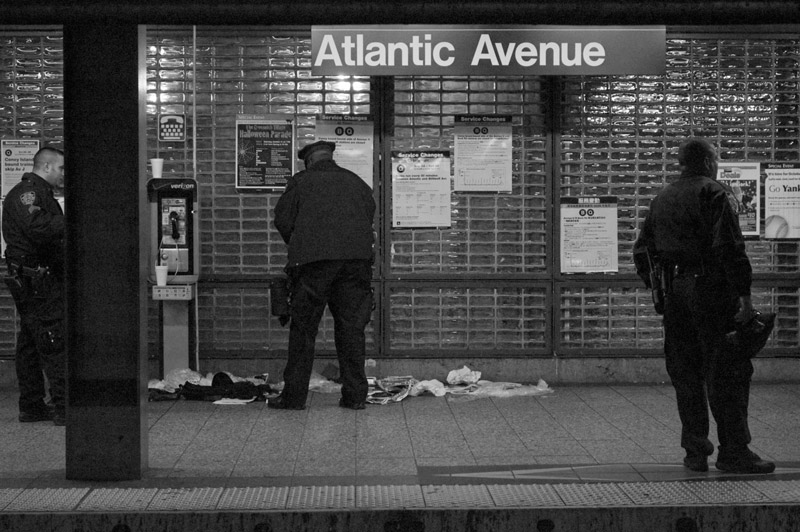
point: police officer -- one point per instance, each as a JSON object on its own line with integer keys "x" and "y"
{"x": 33, "y": 229}
{"x": 325, "y": 215}
{"x": 694, "y": 234}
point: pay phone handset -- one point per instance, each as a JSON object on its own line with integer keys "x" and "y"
{"x": 173, "y": 222}
{"x": 173, "y": 250}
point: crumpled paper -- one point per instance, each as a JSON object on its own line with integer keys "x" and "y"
{"x": 463, "y": 376}
{"x": 391, "y": 389}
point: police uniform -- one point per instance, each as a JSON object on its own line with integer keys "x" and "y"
{"x": 33, "y": 229}
{"x": 693, "y": 231}
{"x": 325, "y": 215}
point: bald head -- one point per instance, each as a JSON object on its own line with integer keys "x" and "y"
{"x": 698, "y": 157}
{"x": 48, "y": 163}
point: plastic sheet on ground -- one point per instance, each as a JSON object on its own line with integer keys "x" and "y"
{"x": 318, "y": 383}
{"x": 497, "y": 389}
{"x": 233, "y": 401}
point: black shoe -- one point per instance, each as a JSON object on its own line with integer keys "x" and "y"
{"x": 749, "y": 464}
{"x": 357, "y": 405}
{"x": 696, "y": 462}
{"x": 35, "y": 415}
{"x": 59, "y": 419}
{"x": 280, "y": 404}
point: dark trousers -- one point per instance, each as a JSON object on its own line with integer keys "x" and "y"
{"x": 699, "y": 311}
{"x": 344, "y": 286}
{"x": 40, "y": 343}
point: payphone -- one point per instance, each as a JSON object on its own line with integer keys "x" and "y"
{"x": 175, "y": 243}
{"x": 174, "y": 239}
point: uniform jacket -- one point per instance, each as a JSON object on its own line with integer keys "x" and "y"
{"x": 33, "y": 223}
{"x": 326, "y": 213}
{"x": 691, "y": 223}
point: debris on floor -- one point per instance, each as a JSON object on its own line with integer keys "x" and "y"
{"x": 463, "y": 384}
{"x": 191, "y": 385}
{"x": 463, "y": 376}
{"x": 499, "y": 389}
{"x": 389, "y": 389}
{"x": 432, "y": 386}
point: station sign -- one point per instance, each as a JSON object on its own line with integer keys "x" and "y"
{"x": 376, "y": 50}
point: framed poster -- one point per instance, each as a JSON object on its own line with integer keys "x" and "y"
{"x": 743, "y": 179}
{"x": 264, "y": 152}
{"x": 782, "y": 201}
{"x": 482, "y": 152}
{"x": 420, "y": 189}
{"x": 589, "y": 238}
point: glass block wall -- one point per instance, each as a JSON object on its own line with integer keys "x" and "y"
{"x": 498, "y": 234}
{"x": 210, "y": 75}
{"x": 490, "y": 285}
{"x": 619, "y": 136}
{"x": 31, "y": 107}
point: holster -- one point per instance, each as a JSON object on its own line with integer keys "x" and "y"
{"x": 21, "y": 291}
{"x": 39, "y": 300}
{"x": 657, "y": 288}
{"x": 279, "y": 299}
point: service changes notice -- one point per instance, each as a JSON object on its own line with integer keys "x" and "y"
{"x": 743, "y": 179}
{"x": 482, "y": 151}
{"x": 264, "y": 151}
{"x": 420, "y": 189}
{"x": 782, "y": 201}
{"x": 353, "y": 136}
{"x": 589, "y": 238}
{"x": 17, "y": 159}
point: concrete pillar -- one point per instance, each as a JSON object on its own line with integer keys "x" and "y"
{"x": 106, "y": 435}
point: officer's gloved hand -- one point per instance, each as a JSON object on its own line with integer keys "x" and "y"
{"x": 746, "y": 311}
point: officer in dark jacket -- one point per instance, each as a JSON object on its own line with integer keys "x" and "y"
{"x": 33, "y": 229}
{"x": 325, "y": 215}
{"x": 694, "y": 234}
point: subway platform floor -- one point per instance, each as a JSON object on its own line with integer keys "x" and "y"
{"x": 586, "y": 457}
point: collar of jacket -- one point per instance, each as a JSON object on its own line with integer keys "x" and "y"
{"x": 36, "y": 178}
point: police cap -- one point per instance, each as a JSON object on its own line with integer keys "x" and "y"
{"x": 319, "y": 145}
{"x": 749, "y": 338}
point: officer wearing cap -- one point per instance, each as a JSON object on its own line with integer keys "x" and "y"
{"x": 693, "y": 232}
{"x": 325, "y": 216}
{"x": 33, "y": 229}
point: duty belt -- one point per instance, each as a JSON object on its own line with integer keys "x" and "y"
{"x": 26, "y": 271}
{"x": 677, "y": 269}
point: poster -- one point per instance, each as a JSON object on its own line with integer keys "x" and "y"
{"x": 589, "y": 239}
{"x": 743, "y": 178}
{"x": 353, "y": 136}
{"x": 421, "y": 189}
{"x": 782, "y": 201}
{"x": 17, "y": 159}
{"x": 482, "y": 153}
{"x": 264, "y": 151}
